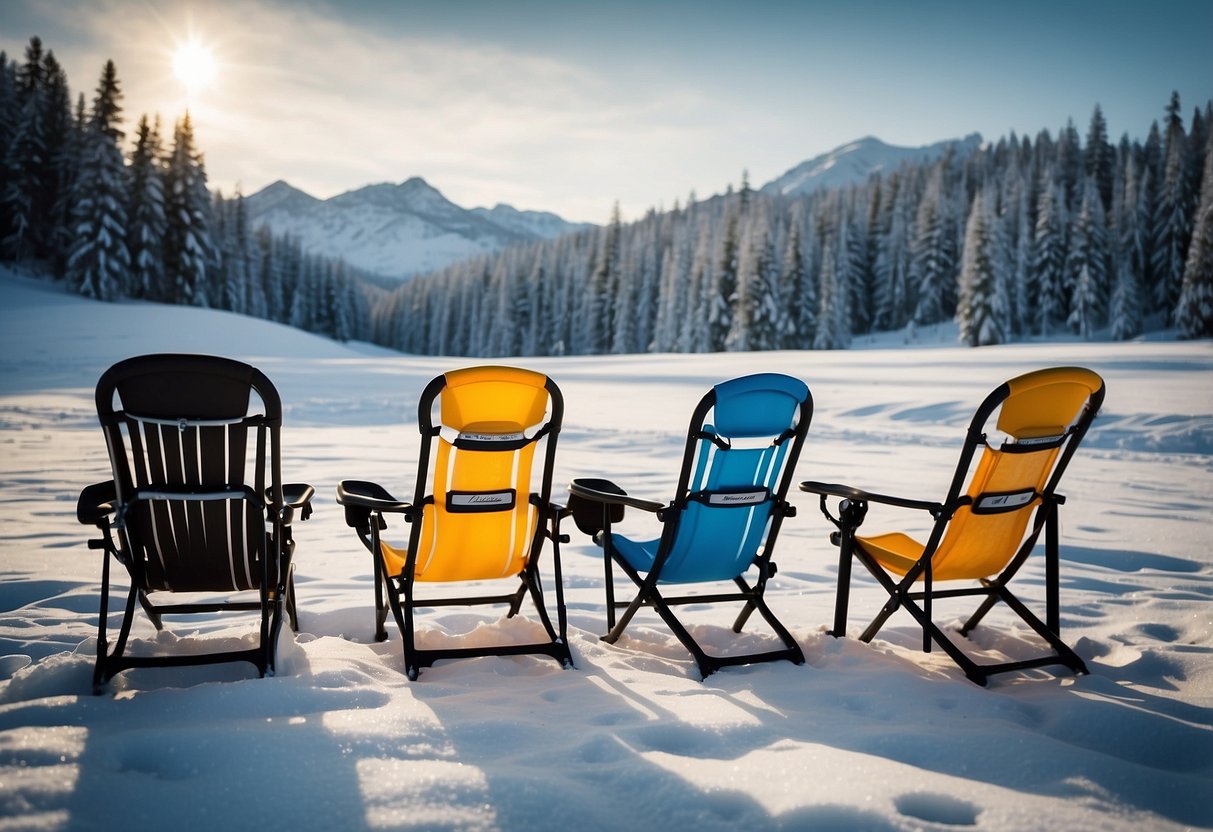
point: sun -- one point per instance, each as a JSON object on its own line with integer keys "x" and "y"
{"x": 194, "y": 66}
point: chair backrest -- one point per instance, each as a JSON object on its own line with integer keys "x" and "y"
{"x": 195, "y": 461}
{"x": 1043, "y": 416}
{"x": 735, "y": 469}
{"x": 477, "y": 481}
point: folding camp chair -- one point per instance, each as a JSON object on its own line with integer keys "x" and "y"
{"x": 983, "y": 532}
{"x": 723, "y": 520}
{"x": 197, "y": 503}
{"x": 480, "y": 511}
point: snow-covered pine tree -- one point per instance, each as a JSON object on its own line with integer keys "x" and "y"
{"x": 99, "y": 263}
{"x": 1018, "y": 292}
{"x": 597, "y": 325}
{"x": 8, "y": 124}
{"x": 1172, "y": 224}
{"x": 861, "y": 257}
{"x": 791, "y": 327}
{"x": 1099, "y": 158}
{"x": 188, "y": 245}
{"x": 1069, "y": 161}
{"x": 723, "y": 291}
{"x": 52, "y": 237}
{"x": 26, "y": 159}
{"x": 693, "y": 334}
{"x": 834, "y": 313}
{"x": 1086, "y": 272}
{"x": 1194, "y": 313}
{"x": 894, "y": 298}
{"x": 626, "y": 301}
{"x": 1125, "y": 304}
{"x": 982, "y": 308}
{"x": 933, "y": 263}
{"x": 1049, "y": 257}
{"x": 145, "y": 212}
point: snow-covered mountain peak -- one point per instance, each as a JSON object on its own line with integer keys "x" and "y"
{"x": 855, "y": 161}
{"x": 282, "y": 195}
{"x": 397, "y": 230}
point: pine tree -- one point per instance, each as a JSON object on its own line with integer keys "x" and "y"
{"x": 1049, "y": 257}
{"x": 1194, "y": 313}
{"x": 1099, "y": 158}
{"x": 933, "y": 267}
{"x": 145, "y": 208}
{"x": 982, "y": 309}
{"x": 597, "y": 315}
{"x": 723, "y": 290}
{"x": 1086, "y": 264}
{"x": 1172, "y": 217}
{"x": 188, "y": 246}
{"x": 791, "y": 327}
{"x": 834, "y": 315}
{"x": 26, "y": 161}
{"x": 99, "y": 264}
{"x": 894, "y": 305}
{"x": 1125, "y": 306}
{"x": 1069, "y": 161}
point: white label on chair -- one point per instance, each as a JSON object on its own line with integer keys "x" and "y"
{"x": 491, "y": 437}
{"x": 739, "y": 498}
{"x": 483, "y": 499}
{"x": 1005, "y": 502}
{"x": 1039, "y": 440}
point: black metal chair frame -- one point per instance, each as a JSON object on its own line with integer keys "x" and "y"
{"x": 852, "y": 509}
{"x": 597, "y": 504}
{"x": 108, "y": 506}
{"x": 367, "y": 503}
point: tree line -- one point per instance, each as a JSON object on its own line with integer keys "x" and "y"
{"x": 1022, "y": 238}
{"x": 145, "y": 225}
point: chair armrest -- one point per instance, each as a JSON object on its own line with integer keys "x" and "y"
{"x": 849, "y": 492}
{"x": 96, "y": 502}
{"x": 297, "y": 496}
{"x": 360, "y": 498}
{"x": 369, "y": 495}
{"x": 605, "y": 491}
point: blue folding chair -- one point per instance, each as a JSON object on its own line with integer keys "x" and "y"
{"x": 723, "y": 520}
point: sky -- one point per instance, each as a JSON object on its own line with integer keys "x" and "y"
{"x": 573, "y": 106}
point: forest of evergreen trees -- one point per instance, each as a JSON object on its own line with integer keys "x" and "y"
{"x": 1023, "y": 238}
{"x": 145, "y": 225}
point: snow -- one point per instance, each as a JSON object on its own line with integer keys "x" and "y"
{"x": 863, "y": 737}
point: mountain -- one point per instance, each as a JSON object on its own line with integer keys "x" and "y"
{"x": 397, "y": 230}
{"x": 853, "y": 163}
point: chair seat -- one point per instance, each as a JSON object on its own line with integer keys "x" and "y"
{"x": 394, "y": 559}
{"x": 897, "y": 552}
{"x": 641, "y": 554}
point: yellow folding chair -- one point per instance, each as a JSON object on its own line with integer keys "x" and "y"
{"x": 986, "y": 530}
{"x": 481, "y": 509}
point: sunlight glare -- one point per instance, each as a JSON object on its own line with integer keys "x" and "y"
{"x": 194, "y": 66}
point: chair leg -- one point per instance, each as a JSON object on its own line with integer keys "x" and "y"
{"x": 152, "y": 613}
{"x": 851, "y": 515}
{"x": 842, "y": 596}
{"x": 516, "y": 601}
{"x": 1065, "y": 654}
{"x": 979, "y": 613}
{"x": 291, "y": 610}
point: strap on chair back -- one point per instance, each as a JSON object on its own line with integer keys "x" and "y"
{"x": 189, "y": 458}
{"x": 480, "y": 505}
{"x": 1044, "y": 416}
{"x": 735, "y": 470}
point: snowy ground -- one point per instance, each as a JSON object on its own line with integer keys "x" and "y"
{"x": 864, "y": 737}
